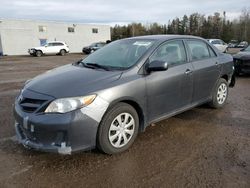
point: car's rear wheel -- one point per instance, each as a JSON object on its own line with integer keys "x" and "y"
{"x": 39, "y": 53}
{"x": 220, "y": 94}
{"x": 118, "y": 129}
{"x": 62, "y": 52}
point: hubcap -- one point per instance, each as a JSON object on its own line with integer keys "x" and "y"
{"x": 121, "y": 130}
{"x": 222, "y": 93}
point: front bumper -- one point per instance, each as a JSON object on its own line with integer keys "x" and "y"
{"x": 32, "y": 51}
{"x": 242, "y": 66}
{"x": 60, "y": 133}
{"x": 86, "y": 50}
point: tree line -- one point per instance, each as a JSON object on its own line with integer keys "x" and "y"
{"x": 213, "y": 26}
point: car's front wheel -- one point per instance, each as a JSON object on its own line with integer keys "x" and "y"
{"x": 39, "y": 53}
{"x": 220, "y": 94}
{"x": 118, "y": 129}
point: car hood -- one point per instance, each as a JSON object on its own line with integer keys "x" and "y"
{"x": 71, "y": 80}
{"x": 38, "y": 48}
{"x": 242, "y": 56}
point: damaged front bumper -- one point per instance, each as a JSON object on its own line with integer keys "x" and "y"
{"x": 60, "y": 133}
{"x": 28, "y": 143}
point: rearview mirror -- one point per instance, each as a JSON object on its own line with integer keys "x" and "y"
{"x": 156, "y": 66}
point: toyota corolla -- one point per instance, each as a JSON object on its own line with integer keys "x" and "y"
{"x": 106, "y": 99}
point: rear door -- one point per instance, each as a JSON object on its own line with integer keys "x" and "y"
{"x": 57, "y": 46}
{"x": 206, "y": 68}
{"x": 168, "y": 91}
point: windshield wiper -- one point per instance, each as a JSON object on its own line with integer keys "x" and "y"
{"x": 95, "y": 65}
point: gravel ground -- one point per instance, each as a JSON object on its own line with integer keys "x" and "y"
{"x": 202, "y": 147}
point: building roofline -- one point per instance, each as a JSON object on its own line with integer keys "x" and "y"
{"x": 52, "y": 21}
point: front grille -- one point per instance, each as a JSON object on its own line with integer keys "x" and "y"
{"x": 241, "y": 62}
{"x": 31, "y": 105}
{"x": 246, "y": 62}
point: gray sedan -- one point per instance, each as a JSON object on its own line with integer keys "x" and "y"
{"x": 106, "y": 99}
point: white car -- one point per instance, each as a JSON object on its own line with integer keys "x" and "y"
{"x": 55, "y": 47}
{"x": 219, "y": 44}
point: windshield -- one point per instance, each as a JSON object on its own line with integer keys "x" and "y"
{"x": 247, "y": 49}
{"x": 120, "y": 54}
{"x": 93, "y": 45}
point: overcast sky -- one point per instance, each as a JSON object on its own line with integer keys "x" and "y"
{"x": 116, "y": 11}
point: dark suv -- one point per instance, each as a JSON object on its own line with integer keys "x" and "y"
{"x": 242, "y": 61}
{"x": 93, "y": 47}
{"x": 116, "y": 92}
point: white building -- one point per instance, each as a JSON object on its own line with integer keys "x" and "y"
{"x": 16, "y": 36}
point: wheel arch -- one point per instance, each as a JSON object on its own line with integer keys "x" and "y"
{"x": 225, "y": 76}
{"x": 137, "y": 107}
{"x": 39, "y": 50}
{"x": 231, "y": 81}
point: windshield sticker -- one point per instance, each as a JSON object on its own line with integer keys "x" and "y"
{"x": 142, "y": 43}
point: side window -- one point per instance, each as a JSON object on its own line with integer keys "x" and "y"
{"x": 198, "y": 49}
{"x": 172, "y": 52}
{"x": 222, "y": 42}
{"x": 216, "y": 42}
{"x": 57, "y": 44}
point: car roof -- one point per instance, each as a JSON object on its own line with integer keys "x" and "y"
{"x": 166, "y": 37}
{"x": 56, "y": 42}
{"x": 213, "y": 39}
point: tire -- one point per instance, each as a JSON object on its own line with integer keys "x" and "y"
{"x": 62, "y": 52}
{"x": 113, "y": 137}
{"x": 39, "y": 53}
{"x": 86, "y": 53}
{"x": 220, "y": 94}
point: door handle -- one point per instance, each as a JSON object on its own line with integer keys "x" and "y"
{"x": 188, "y": 71}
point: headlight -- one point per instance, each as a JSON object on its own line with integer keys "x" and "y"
{"x": 69, "y": 104}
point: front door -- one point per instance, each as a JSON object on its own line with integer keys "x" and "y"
{"x": 50, "y": 48}
{"x": 170, "y": 90}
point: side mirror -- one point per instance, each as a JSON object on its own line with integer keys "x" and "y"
{"x": 157, "y": 66}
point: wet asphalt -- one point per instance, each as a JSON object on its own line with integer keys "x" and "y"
{"x": 201, "y": 147}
